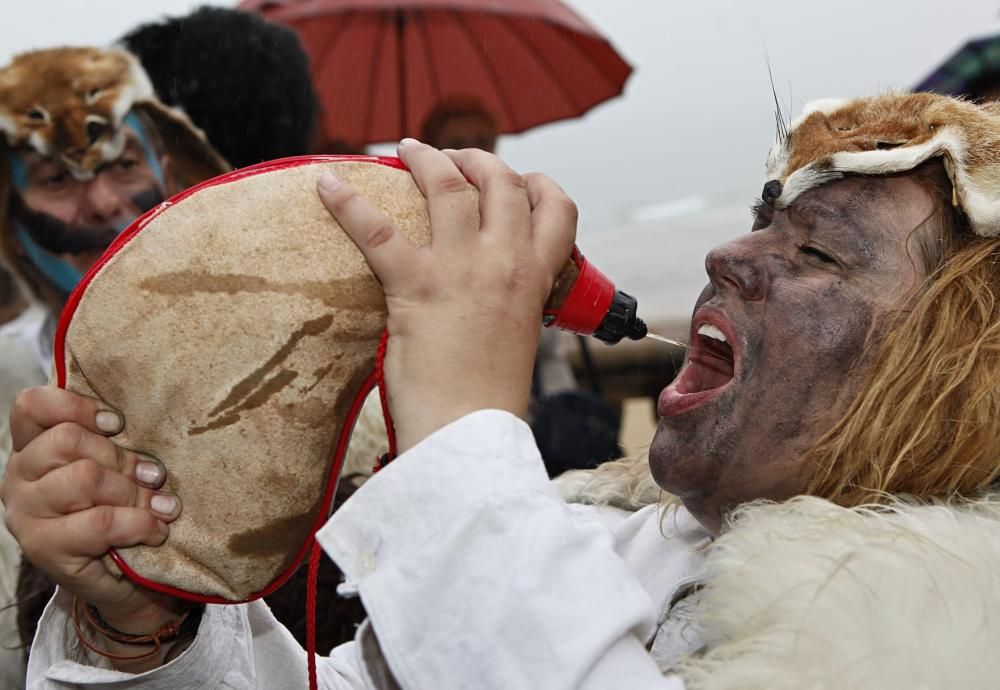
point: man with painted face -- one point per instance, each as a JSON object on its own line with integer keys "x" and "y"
{"x": 84, "y": 151}
{"x": 844, "y": 365}
{"x": 85, "y": 148}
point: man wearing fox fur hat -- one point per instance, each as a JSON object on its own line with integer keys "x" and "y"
{"x": 85, "y": 148}
{"x": 845, "y": 354}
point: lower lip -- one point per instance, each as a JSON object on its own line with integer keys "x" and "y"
{"x": 673, "y": 403}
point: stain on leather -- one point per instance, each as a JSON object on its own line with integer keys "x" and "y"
{"x": 261, "y": 384}
{"x": 362, "y": 292}
{"x": 273, "y": 538}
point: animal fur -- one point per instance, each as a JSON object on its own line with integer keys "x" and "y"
{"x": 894, "y": 133}
{"x": 69, "y": 103}
{"x": 807, "y": 594}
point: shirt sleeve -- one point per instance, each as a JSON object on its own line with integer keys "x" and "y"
{"x": 239, "y": 646}
{"x": 474, "y": 573}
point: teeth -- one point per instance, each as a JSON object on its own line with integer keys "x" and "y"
{"x": 712, "y": 332}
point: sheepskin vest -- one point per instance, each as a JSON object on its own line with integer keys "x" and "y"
{"x": 809, "y": 595}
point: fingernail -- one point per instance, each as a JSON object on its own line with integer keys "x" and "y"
{"x": 108, "y": 422}
{"x": 327, "y": 182}
{"x": 408, "y": 141}
{"x": 148, "y": 472}
{"x": 164, "y": 504}
{"x": 164, "y": 527}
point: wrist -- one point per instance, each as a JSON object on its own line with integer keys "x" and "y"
{"x": 138, "y": 639}
{"x": 144, "y": 620}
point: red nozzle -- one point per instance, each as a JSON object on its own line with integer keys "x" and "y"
{"x": 594, "y": 307}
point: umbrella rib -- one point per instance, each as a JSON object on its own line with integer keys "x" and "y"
{"x": 425, "y": 40}
{"x": 488, "y": 66}
{"x": 543, "y": 63}
{"x": 376, "y": 63}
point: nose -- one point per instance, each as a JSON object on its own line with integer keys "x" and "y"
{"x": 95, "y": 129}
{"x": 101, "y": 202}
{"x": 733, "y": 266}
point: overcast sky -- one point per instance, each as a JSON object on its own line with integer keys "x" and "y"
{"x": 685, "y": 146}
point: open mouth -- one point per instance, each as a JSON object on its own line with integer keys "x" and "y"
{"x": 709, "y": 369}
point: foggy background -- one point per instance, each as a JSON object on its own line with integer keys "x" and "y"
{"x": 669, "y": 169}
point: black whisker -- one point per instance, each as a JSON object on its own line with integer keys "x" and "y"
{"x": 779, "y": 117}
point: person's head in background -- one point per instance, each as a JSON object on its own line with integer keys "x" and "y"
{"x": 460, "y": 123}
{"x": 82, "y": 155}
{"x": 243, "y": 80}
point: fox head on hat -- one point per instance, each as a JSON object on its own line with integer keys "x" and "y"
{"x": 72, "y": 105}
{"x": 890, "y": 134}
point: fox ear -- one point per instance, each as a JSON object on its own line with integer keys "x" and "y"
{"x": 192, "y": 158}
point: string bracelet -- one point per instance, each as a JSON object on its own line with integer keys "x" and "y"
{"x": 168, "y": 632}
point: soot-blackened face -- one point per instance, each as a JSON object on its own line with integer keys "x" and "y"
{"x": 777, "y": 334}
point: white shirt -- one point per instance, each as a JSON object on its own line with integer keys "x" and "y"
{"x": 35, "y": 329}
{"x": 474, "y": 574}
{"x": 25, "y": 361}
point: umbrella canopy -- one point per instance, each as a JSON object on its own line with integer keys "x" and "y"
{"x": 381, "y": 66}
{"x": 969, "y": 71}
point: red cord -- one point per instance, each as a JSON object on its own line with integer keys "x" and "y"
{"x": 314, "y": 557}
{"x": 383, "y": 395}
{"x": 316, "y": 552}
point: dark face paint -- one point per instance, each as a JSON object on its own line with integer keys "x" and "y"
{"x": 148, "y": 199}
{"x": 58, "y": 237}
{"x": 801, "y": 324}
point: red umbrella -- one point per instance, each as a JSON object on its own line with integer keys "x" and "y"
{"x": 380, "y": 66}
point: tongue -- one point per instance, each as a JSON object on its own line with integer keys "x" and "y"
{"x": 704, "y": 376}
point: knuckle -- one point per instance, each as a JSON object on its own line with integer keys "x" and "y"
{"x": 568, "y": 208}
{"x": 88, "y": 473}
{"x": 67, "y": 437}
{"x": 448, "y": 184}
{"x": 12, "y": 521}
{"x": 510, "y": 178}
{"x": 379, "y": 233}
{"x": 102, "y": 519}
{"x": 23, "y": 403}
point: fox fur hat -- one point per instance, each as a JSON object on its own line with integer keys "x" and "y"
{"x": 70, "y": 104}
{"x": 888, "y": 134}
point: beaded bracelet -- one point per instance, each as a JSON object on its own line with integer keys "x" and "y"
{"x": 169, "y": 631}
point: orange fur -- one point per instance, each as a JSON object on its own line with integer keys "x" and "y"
{"x": 49, "y": 98}
{"x": 894, "y": 133}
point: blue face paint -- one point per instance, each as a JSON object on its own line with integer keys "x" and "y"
{"x": 59, "y": 271}
{"x": 152, "y": 160}
{"x": 62, "y": 273}
{"x": 18, "y": 173}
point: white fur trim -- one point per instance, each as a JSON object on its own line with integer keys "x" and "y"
{"x": 802, "y": 180}
{"x": 810, "y": 595}
{"x": 777, "y": 159}
{"x": 137, "y": 87}
{"x": 39, "y": 143}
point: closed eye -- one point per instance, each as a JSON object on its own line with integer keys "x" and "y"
{"x": 817, "y": 254}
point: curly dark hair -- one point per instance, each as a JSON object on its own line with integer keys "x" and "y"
{"x": 242, "y": 79}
